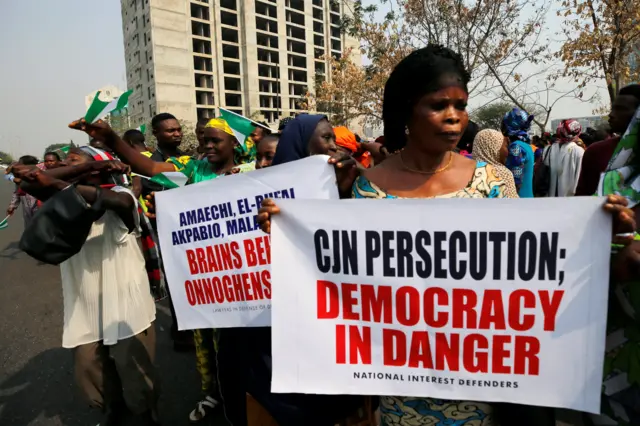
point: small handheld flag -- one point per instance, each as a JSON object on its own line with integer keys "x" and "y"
{"x": 5, "y": 223}
{"x": 100, "y": 109}
{"x": 169, "y": 180}
{"x": 242, "y": 126}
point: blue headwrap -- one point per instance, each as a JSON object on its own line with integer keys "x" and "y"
{"x": 517, "y": 124}
{"x": 294, "y": 142}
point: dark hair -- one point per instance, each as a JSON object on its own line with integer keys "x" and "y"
{"x": 631, "y": 90}
{"x": 466, "y": 141}
{"x": 265, "y": 127}
{"x": 134, "y": 137}
{"x": 163, "y": 116}
{"x": 202, "y": 121}
{"x": 28, "y": 160}
{"x": 417, "y": 74}
{"x": 55, "y": 154}
{"x": 271, "y": 137}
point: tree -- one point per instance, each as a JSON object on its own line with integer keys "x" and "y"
{"x": 601, "y": 42}
{"x": 56, "y": 147}
{"x": 501, "y": 43}
{"x": 490, "y": 116}
{"x": 5, "y": 158}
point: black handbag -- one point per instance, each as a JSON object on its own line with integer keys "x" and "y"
{"x": 61, "y": 226}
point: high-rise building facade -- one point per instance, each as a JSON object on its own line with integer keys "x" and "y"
{"x": 188, "y": 57}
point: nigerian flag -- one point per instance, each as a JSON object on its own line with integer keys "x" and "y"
{"x": 169, "y": 180}
{"x": 5, "y": 223}
{"x": 142, "y": 129}
{"x": 100, "y": 109}
{"x": 242, "y": 127}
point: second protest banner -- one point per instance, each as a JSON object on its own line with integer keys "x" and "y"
{"x": 473, "y": 300}
{"x": 217, "y": 260}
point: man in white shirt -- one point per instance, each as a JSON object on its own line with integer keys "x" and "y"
{"x": 108, "y": 308}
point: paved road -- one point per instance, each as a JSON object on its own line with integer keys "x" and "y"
{"x": 36, "y": 375}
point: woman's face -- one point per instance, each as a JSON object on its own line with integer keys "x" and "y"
{"x": 504, "y": 150}
{"x": 265, "y": 152}
{"x": 439, "y": 119}
{"x": 323, "y": 140}
{"x": 74, "y": 159}
{"x": 218, "y": 146}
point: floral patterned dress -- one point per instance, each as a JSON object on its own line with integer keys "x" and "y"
{"x": 417, "y": 411}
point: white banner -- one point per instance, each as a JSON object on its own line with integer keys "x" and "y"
{"x": 475, "y": 300}
{"x": 216, "y": 258}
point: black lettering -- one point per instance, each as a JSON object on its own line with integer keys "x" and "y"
{"x": 321, "y": 241}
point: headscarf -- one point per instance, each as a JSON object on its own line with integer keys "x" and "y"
{"x": 242, "y": 153}
{"x": 294, "y": 142}
{"x": 622, "y": 176}
{"x": 283, "y": 123}
{"x": 517, "y": 124}
{"x": 486, "y": 147}
{"x": 347, "y": 139}
{"x": 568, "y": 131}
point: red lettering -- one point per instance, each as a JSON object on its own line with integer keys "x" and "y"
{"x": 202, "y": 261}
{"x": 256, "y": 285}
{"x": 246, "y": 286}
{"x": 193, "y": 264}
{"x": 500, "y": 354}
{"x": 267, "y": 247}
{"x": 550, "y": 307}
{"x": 341, "y": 343}
{"x": 228, "y": 289}
{"x": 526, "y": 353}
{"x": 197, "y": 286}
{"x": 376, "y": 307}
{"x": 394, "y": 347}
{"x": 225, "y": 252}
{"x": 266, "y": 282}
{"x": 211, "y": 258}
{"x": 359, "y": 345}
{"x": 218, "y": 292}
{"x": 237, "y": 287}
{"x": 492, "y": 311}
{"x": 249, "y": 253}
{"x": 349, "y": 301}
{"x": 208, "y": 291}
{"x": 448, "y": 351}
{"x": 328, "y": 300}
{"x": 408, "y": 311}
{"x": 518, "y": 301}
{"x": 463, "y": 304}
{"x": 188, "y": 288}
{"x": 420, "y": 351}
{"x": 475, "y": 360}
{"x": 435, "y": 296}
{"x": 235, "y": 252}
{"x": 262, "y": 253}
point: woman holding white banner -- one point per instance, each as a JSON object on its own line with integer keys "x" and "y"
{"x": 424, "y": 113}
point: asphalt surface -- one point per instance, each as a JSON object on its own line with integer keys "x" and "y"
{"x": 37, "y": 385}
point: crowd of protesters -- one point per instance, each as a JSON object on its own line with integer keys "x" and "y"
{"x": 429, "y": 150}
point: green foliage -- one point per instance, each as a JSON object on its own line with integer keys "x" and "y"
{"x": 490, "y": 116}
{"x": 5, "y": 158}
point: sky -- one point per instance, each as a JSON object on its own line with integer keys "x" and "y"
{"x": 56, "y": 53}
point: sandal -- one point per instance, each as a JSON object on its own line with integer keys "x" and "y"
{"x": 203, "y": 409}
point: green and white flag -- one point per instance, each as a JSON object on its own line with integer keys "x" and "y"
{"x": 5, "y": 223}
{"x": 100, "y": 109}
{"x": 241, "y": 126}
{"x": 169, "y": 180}
{"x": 142, "y": 129}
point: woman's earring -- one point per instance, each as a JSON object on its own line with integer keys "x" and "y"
{"x": 406, "y": 130}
